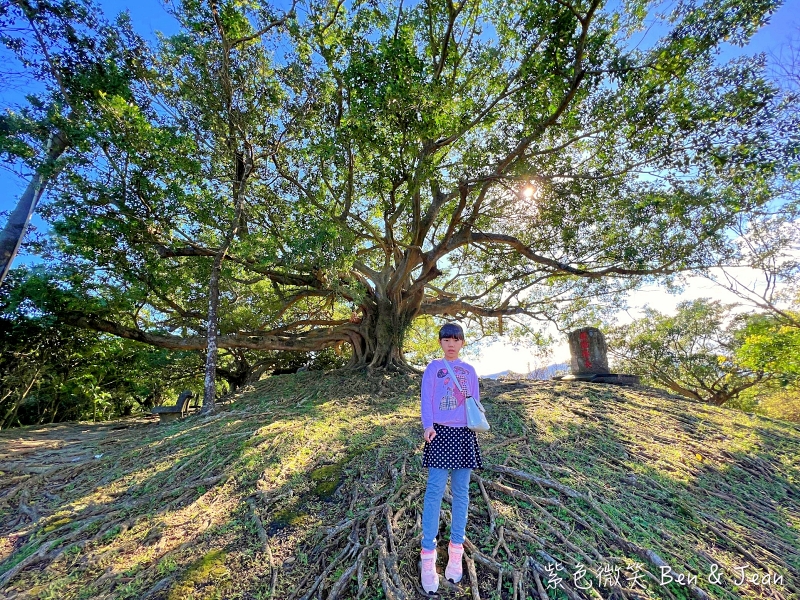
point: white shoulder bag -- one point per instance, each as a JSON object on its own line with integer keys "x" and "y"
{"x": 476, "y": 414}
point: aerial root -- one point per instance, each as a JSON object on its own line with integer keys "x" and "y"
{"x": 357, "y": 568}
{"x": 503, "y": 543}
{"x": 390, "y": 531}
{"x": 473, "y": 578}
{"x": 489, "y": 506}
{"x": 25, "y": 509}
{"x": 481, "y": 558}
{"x": 549, "y": 522}
{"x": 500, "y": 540}
{"x": 392, "y": 585}
{"x": 537, "y": 568}
{"x": 539, "y": 586}
{"x": 738, "y": 547}
{"x": 363, "y": 541}
{"x": 319, "y": 581}
{"x": 57, "y": 544}
{"x": 264, "y": 539}
{"x": 34, "y": 558}
{"x": 516, "y": 578}
{"x": 765, "y": 545}
{"x": 386, "y": 546}
{"x": 27, "y": 482}
{"x": 341, "y": 556}
{"x": 548, "y": 518}
{"x": 563, "y": 489}
{"x": 362, "y": 583}
{"x": 160, "y": 585}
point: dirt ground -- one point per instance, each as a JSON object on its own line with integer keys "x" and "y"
{"x": 310, "y": 487}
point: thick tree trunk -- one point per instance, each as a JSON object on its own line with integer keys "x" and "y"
{"x": 390, "y": 332}
{"x": 241, "y": 372}
{"x": 376, "y": 338}
{"x": 379, "y": 342}
{"x": 209, "y": 389}
{"x": 14, "y": 232}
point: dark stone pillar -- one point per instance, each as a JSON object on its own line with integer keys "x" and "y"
{"x": 588, "y": 352}
{"x": 589, "y": 359}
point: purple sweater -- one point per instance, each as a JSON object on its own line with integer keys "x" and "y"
{"x": 441, "y": 401}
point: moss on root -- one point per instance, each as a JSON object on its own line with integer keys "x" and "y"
{"x": 291, "y": 516}
{"x": 53, "y": 525}
{"x": 327, "y": 480}
{"x": 204, "y": 579}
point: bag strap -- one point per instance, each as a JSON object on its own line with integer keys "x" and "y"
{"x": 453, "y": 375}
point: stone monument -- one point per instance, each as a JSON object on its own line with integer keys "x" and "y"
{"x": 589, "y": 359}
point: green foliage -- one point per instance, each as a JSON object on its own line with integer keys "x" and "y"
{"x": 694, "y": 352}
{"x": 770, "y": 344}
{"x": 79, "y": 58}
{"x": 421, "y": 344}
{"x": 363, "y": 167}
{"x": 710, "y": 353}
{"x": 53, "y": 372}
{"x": 170, "y": 157}
{"x": 778, "y": 402}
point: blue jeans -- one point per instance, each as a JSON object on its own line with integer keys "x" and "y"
{"x": 459, "y": 485}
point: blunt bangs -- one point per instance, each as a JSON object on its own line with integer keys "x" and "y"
{"x": 451, "y": 330}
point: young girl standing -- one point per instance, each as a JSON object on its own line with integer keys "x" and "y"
{"x": 451, "y": 449}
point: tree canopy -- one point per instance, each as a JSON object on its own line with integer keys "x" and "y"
{"x": 338, "y": 170}
{"x": 73, "y": 57}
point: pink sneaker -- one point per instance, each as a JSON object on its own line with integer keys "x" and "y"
{"x": 454, "y": 572}
{"x": 429, "y": 576}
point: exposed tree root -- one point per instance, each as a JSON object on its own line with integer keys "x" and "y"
{"x": 173, "y": 495}
{"x": 473, "y": 578}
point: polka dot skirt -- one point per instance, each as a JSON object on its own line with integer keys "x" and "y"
{"x": 452, "y": 448}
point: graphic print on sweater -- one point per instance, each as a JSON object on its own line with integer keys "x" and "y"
{"x": 453, "y": 398}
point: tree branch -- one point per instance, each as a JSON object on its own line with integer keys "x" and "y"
{"x": 453, "y": 307}
{"x": 465, "y": 238}
{"x": 314, "y": 340}
{"x": 271, "y": 274}
{"x": 266, "y": 28}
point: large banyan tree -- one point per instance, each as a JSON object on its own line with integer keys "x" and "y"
{"x": 295, "y": 178}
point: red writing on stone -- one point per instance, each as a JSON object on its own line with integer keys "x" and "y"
{"x": 584, "y": 338}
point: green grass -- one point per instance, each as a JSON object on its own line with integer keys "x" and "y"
{"x": 639, "y": 471}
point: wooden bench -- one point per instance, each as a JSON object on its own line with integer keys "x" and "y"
{"x": 167, "y": 414}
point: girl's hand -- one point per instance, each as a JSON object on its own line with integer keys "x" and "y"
{"x": 429, "y": 434}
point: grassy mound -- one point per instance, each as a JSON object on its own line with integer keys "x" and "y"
{"x": 310, "y": 486}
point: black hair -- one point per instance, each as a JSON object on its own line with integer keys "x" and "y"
{"x": 451, "y": 330}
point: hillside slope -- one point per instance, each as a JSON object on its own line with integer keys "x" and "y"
{"x": 310, "y": 486}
